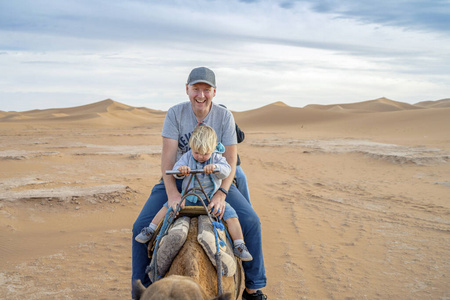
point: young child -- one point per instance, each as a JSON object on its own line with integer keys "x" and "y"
{"x": 205, "y": 154}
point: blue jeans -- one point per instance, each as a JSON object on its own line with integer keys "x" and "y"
{"x": 241, "y": 182}
{"x": 255, "y": 275}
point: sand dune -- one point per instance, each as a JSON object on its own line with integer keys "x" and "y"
{"x": 353, "y": 198}
{"x": 377, "y": 105}
{"x": 275, "y": 115}
{"x": 383, "y": 125}
{"x": 434, "y": 104}
{"x": 106, "y": 112}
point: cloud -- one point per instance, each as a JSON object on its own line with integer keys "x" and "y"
{"x": 418, "y": 14}
{"x": 140, "y": 52}
{"x": 69, "y": 25}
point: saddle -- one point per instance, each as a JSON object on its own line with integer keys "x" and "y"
{"x": 171, "y": 243}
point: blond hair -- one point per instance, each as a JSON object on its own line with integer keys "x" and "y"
{"x": 203, "y": 140}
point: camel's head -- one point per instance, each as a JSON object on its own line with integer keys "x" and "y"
{"x": 174, "y": 287}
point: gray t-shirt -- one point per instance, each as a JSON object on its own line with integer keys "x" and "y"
{"x": 180, "y": 122}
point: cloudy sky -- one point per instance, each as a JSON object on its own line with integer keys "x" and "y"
{"x": 139, "y": 52}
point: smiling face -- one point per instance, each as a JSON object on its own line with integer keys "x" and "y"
{"x": 200, "y": 95}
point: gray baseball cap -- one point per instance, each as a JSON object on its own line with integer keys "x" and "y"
{"x": 202, "y": 74}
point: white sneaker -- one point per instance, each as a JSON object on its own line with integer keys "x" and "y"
{"x": 145, "y": 235}
{"x": 241, "y": 251}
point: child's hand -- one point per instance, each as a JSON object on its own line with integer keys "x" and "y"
{"x": 209, "y": 169}
{"x": 184, "y": 170}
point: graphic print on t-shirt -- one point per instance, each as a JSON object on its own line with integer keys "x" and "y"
{"x": 183, "y": 142}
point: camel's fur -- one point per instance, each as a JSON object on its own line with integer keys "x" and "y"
{"x": 197, "y": 274}
{"x": 174, "y": 287}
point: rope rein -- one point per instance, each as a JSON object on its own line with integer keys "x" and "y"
{"x": 169, "y": 219}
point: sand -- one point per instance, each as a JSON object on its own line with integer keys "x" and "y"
{"x": 353, "y": 199}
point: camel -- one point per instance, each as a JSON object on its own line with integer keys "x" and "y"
{"x": 175, "y": 287}
{"x": 193, "y": 273}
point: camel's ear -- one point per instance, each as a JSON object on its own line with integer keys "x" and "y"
{"x": 226, "y": 296}
{"x": 139, "y": 289}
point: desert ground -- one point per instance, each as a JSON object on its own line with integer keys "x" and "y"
{"x": 354, "y": 199}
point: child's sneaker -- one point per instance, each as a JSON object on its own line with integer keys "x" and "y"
{"x": 241, "y": 251}
{"x": 145, "y": 235}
